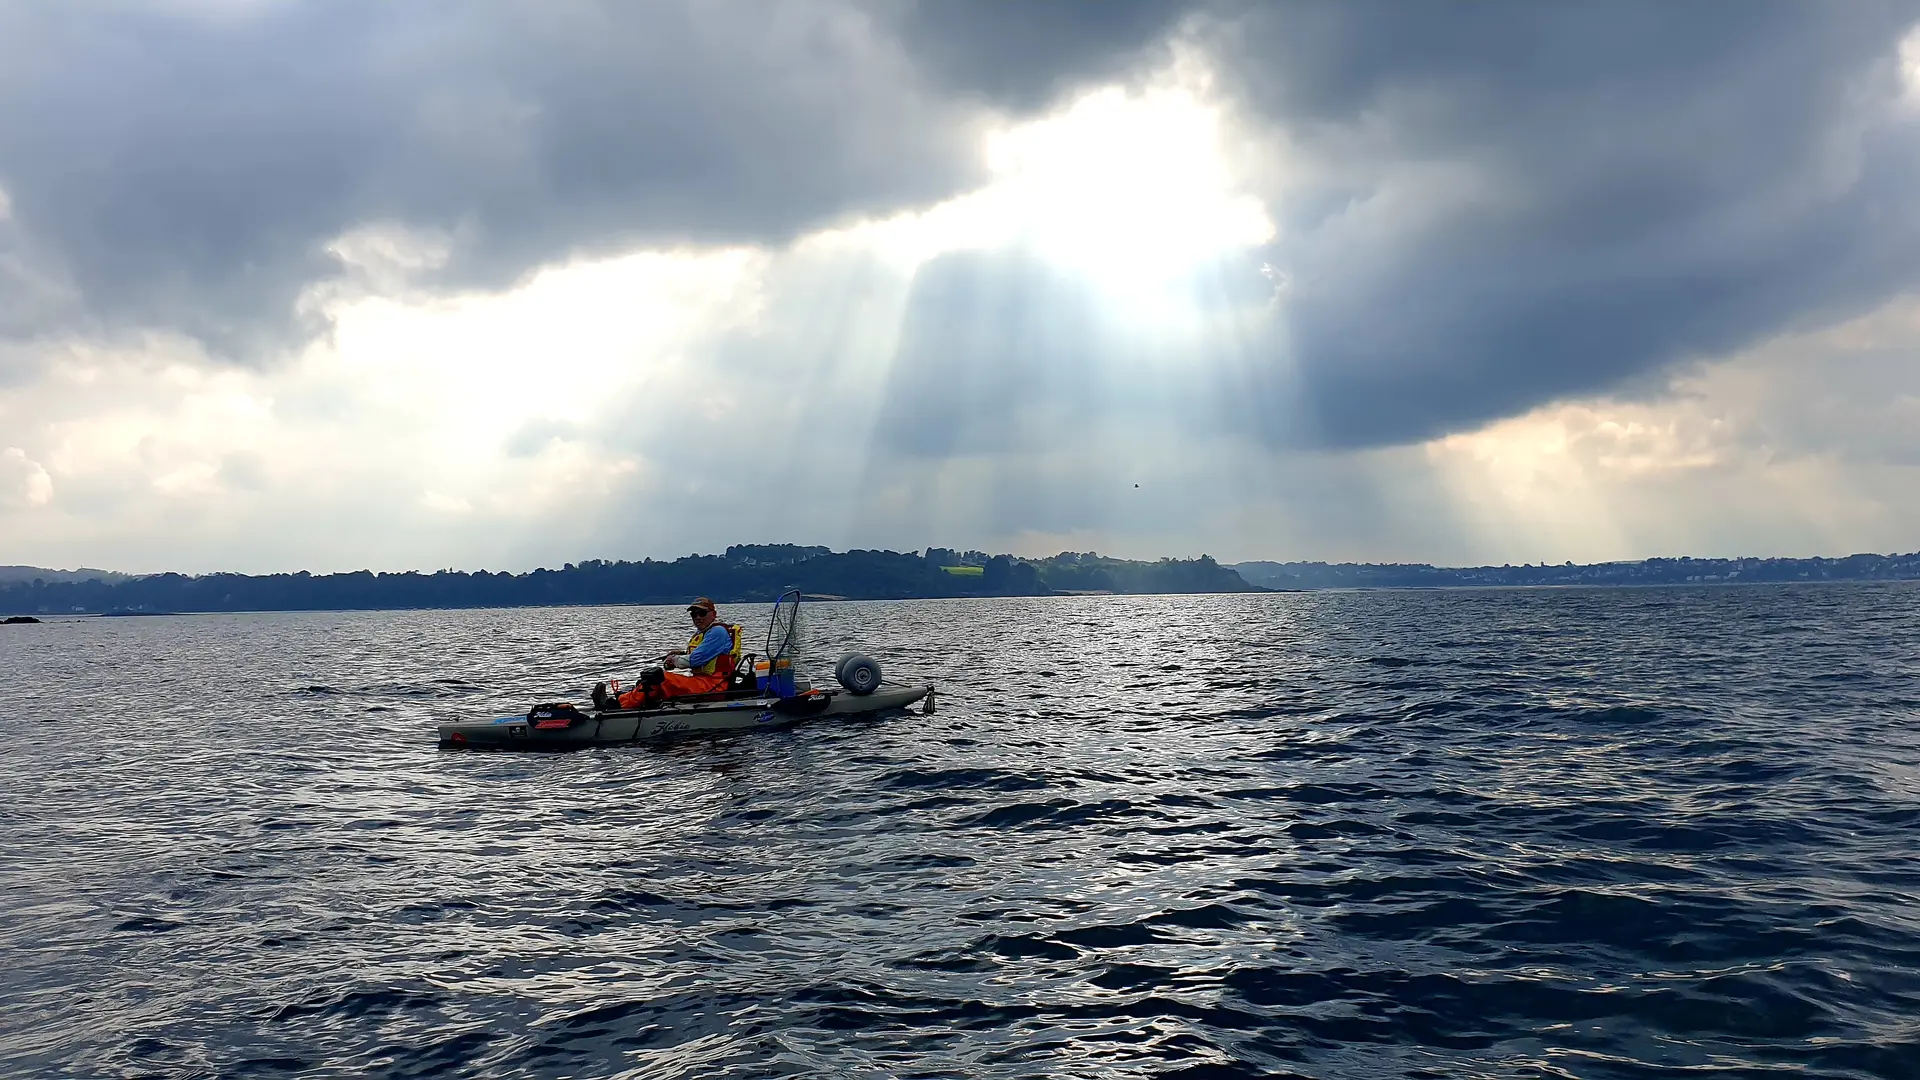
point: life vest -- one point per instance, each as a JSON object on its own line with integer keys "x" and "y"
{"x": 726, "y": 661}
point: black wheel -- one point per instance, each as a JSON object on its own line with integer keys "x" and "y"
{"x": 859, "y": 673}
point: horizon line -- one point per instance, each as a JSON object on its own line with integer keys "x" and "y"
{"x": 921, "y": 553}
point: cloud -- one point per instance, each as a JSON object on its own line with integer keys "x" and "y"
{"x": 1026, "y": 56}
{"x": 24, "y": 483}
{"x": 416, "y": 407}
{"x": 196, "y": 167}
{"x": 1803, "y": 444}
{"x": 1485, "y": 208}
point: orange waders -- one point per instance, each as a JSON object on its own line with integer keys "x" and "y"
{"x": 709, "y": 678}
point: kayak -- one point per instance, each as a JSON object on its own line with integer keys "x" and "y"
{"x": 562, "y": 727}
{"x": 758, "y": 693}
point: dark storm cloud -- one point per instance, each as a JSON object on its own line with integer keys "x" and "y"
{"x": 1517, "y": 202}
{"x": 183, "y": 166}
{"x": 1026, "y": 54}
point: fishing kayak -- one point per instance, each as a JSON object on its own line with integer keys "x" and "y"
{"x": 562, "y": 727}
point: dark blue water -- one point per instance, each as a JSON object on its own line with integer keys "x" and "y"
{"x": 1457, "y": 834}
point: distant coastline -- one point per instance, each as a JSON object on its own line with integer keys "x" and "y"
{"x": 757, "y": 573}
{"x": 1679, "y": 571}
{"x": 743, "y": 574}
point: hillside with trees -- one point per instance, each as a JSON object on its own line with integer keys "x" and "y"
{"x": 744, "y": 573}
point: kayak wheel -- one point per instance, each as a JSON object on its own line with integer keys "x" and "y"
{"x": 859, "y": 673}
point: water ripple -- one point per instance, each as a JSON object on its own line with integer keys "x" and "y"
{"x": 1632, "y": 833}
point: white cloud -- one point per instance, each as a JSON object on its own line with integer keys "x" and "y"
{"x": 24, "y": 483}
{"x": 1806, "y": 444}
{"x": 417, "y": 406}
{"x": 446, "y": 504}
{"x": 383, "y": 258}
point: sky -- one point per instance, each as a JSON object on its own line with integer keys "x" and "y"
{"x": 338, "y": 284}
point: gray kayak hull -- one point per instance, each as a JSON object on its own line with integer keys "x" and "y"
{"x": 618, "y": 726}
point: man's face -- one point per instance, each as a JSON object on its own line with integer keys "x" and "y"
{"x": 702, "y": 618}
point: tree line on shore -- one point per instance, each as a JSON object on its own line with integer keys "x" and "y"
{"x": 745, "y": 573}
{"x": 1680, "y": 571}
{"x": 758, "y": 572}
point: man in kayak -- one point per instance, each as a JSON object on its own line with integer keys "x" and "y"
{"x": 710, "y": 657}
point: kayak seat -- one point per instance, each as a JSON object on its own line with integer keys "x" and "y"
{"x": 740, "y": 684}
{"x": 742, "y": 677}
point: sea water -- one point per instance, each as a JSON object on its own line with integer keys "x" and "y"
{"x": 1592, "y": 833}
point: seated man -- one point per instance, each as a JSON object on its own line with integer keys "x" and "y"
{"x": 709, "y": 658}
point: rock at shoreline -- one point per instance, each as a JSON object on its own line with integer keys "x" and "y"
{"x": 17, "y": 619}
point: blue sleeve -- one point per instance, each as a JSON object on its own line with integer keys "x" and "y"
{"x": 718, "y": 639}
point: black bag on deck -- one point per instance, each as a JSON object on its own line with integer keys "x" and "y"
{"x": 555, "y": 716}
